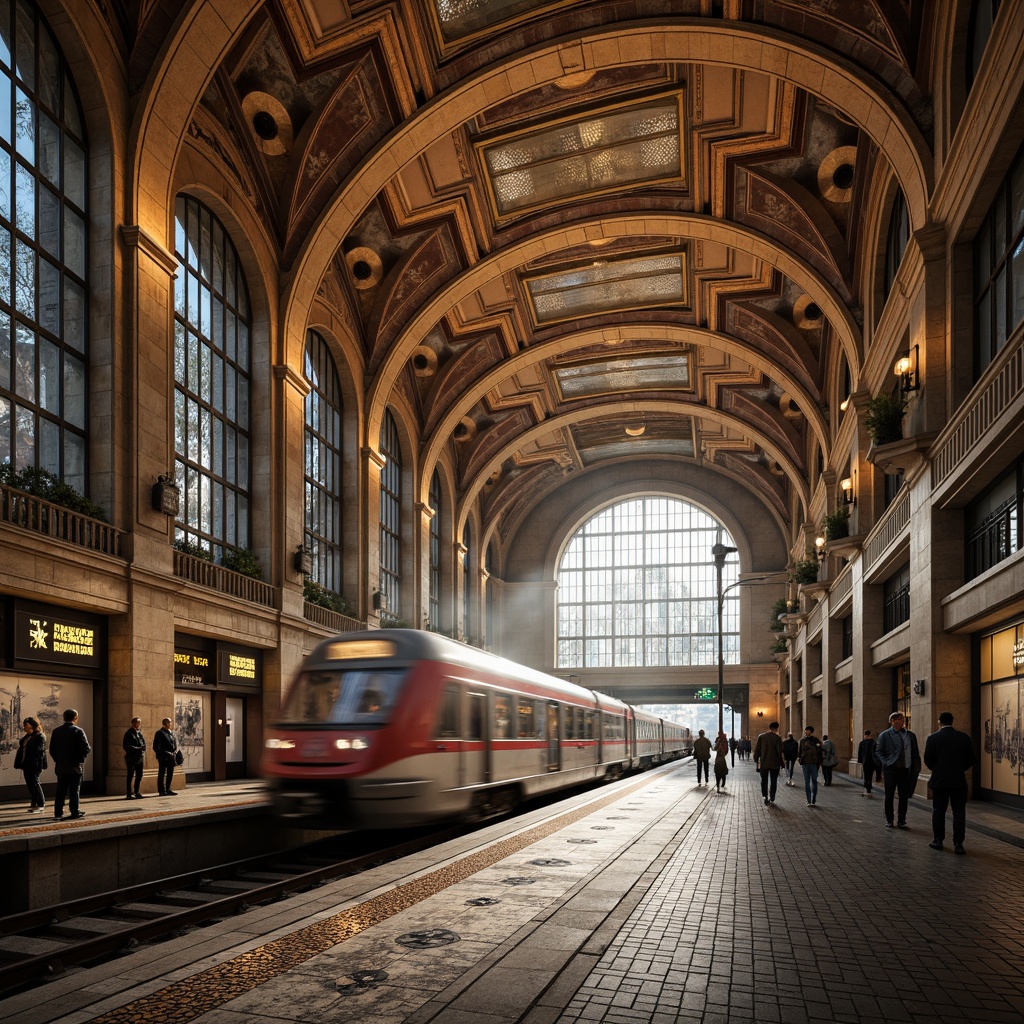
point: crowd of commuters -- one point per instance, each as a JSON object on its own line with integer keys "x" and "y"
{"x": 69, "y": 747}
{"x": 893, "y": 758}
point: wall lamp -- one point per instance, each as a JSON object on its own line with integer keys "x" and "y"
{"x": 303, "y": 561}
{"x": 819, "y": 547}
{"x": 906, "y": 369}
{"x": 846, "y": 486}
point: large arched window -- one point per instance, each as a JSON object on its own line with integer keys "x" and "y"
{"x": 211, "y": 383}
{"x": 390, "y": 519}
{"x": 434, "y": 599}
{"x": 636, "y": 587}
{"x": 323, "y": 464}
{"x": 896, "y": 238}
{"x": 467, "y": 540}
{"x": 43, "y": 254}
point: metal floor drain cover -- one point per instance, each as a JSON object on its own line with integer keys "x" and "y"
{"x": 428, "y": 939}
{"x": 362, "y": 981}
{"x": 519, "y": 881}
{"x": 482, "y": 901}
{"x": 551, "y": 862}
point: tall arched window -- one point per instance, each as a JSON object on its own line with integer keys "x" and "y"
{"x": 43, "y": 254}
{"x": 636, "y": 587}
{"x": 323, "y": 463}
{"x": 434, "y": 600}
{"x": 467, "y": 540}
{"x": 896, "y": 240}
{"x": 983, "y": 16}
{"x": 211, "y": 383}
{"x": 390, "y": 519}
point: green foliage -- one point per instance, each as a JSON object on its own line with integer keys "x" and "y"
{"x": 191, "y": 547}
{"x": 778, "y": 646}
{"x": 805, "y": 571}
{"x": 393, "y": 622}
{"x": 42, "y": 484}
{"x": 316, "y": 593}
{"x": 242, "y": 560}
{"x": 836, "y": 524}
{"x": 779, "y": 607}
{"x": 884, "y": 422}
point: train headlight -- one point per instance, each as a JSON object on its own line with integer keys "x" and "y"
{"x": 353, "y": 743}
{"x": 274, "y": 743}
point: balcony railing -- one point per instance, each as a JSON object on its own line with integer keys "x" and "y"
{"x": 332, "y": 620}
{"x": 892, "y": 524}
{"x": 58, "y": 523}
{"x": 226, "y": 581}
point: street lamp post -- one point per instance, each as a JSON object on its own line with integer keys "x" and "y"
{"x": 719, "y": 553}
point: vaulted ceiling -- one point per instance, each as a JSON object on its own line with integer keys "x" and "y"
{"x": 561, "y": 242}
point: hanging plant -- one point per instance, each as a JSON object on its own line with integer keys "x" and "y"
{"x": 836, "y": 525}
{"x": 778, "y": 646}
{"x": 884, "y": 422}
{"x": 316, "y": 593}
{"x": 779, "y": 607}
{"x": 805, "y": 571}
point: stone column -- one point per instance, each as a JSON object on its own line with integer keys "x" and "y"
{"x": 371, "y": 465}
{"x": 529, "y": 617}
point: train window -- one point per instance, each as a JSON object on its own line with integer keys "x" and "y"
{"x": 475, "y": 724}
{"x": 448, "y": 724}
{"x": 581, "y": 729}
{"x": 345, "y": 697}
{"x": 570, "y": 724}
{"x": 528, "y": 720}
{"x": 502, "y": 716}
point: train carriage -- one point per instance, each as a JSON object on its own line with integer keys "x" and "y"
{"x": 402, "y": 727}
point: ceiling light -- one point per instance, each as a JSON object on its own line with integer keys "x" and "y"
{"x": 636, "y": 430}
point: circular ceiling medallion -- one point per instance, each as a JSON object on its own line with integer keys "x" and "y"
{"x": 465, "y": 429}
{"x": 835, "y": 174}
{"x": 807, "y": 314}
{"x": 365, "y": 266}
{"x": 424, "y": 361}
{"x": 269, "y": 122}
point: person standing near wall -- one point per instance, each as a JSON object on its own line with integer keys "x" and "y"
{"x": 134, "y": 744}
{"x": 31, "y": 759}
{"x": 898, "y": 754}
{"x": 949, "y": 753}
{"x": 165, "y": 746}
{"x": 69, "y": 747}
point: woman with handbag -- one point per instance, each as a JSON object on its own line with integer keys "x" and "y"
{"x": 31, "y": 759}
{"x": 165, "y": 746}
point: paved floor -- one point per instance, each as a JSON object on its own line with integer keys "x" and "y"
{"x": 651, "y": 900}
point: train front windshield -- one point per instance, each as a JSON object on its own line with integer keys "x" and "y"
{"x": 356, "y": 697}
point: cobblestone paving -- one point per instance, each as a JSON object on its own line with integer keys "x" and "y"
{"x": 797, "y": 914}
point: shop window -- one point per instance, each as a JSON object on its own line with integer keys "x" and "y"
{"x": 211, "y": 383}
{"x": 896, "y": 608}
{"x": 44, "y": 255}
{"x": 901, "y": 690}
{"x": 323, "y": 464}
{"x": 999, "y": 269}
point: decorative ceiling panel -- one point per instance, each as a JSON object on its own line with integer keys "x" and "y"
{"x": 602, "y": 287}
{"x": 624, "y": 146}
{"x": 596, "y": 442}
{"x": 662, "y": 372}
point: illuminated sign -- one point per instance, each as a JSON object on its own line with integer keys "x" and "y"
{"x": 52, "y": 635}
{"x": 349, "y": 650}
{"x": 238, "y": 666}
{"x": 193, "y": 668}
{"x": 705, "y": 693}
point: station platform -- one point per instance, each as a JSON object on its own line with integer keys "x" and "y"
{"x": 645, "y": 900}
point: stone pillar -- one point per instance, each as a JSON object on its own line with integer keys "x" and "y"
{"x": 371, "y": 465}
{"x": 424, "y": 517}
{"x": 529, "y": 631}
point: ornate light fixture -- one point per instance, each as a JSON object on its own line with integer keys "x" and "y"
{"x": 906, "y": 369}
{"x": 846, "y": 486}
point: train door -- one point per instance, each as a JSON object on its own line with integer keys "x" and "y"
{"x": 554, "y": 745}
{"x": 475, "y": 751}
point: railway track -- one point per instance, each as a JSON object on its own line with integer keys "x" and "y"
{"x": 44, "y": 943}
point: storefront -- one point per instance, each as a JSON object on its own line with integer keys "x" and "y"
{"x": 51, "y": 659}
{"x": 1001, "y": 698}
{"x": 217, "y": 703}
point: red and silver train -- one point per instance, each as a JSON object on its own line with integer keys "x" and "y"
{"x": 403, "y": 727}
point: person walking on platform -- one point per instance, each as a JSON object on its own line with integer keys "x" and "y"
{"x": 165, "y": 746}
{"x": 721, "y": 761}
{"x": 134, "y": 744}
{"x": 69, "y": 747}
{"x": 866, "y": 757}
{"x": 898, "y": 754}
{"x": 702, "y": 755}
{"x": 949, "y": 753}
{"x": 768, "y": 760}
{"x": 790, "y": 749}
{"x": 810, "y": 761}
{"x": 829, "y": 759}
{"x": 31, "y": 759}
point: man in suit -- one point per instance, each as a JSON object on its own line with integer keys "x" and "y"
{"x": 134, "y": 744}
{"x": 900, "y": 757}
{"x": 949, "y": 753}
{"x": 69, "y": 747}
{"x": 768, "y": 760}
{"x": 702, "y": 755}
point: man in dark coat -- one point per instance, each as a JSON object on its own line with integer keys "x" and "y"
{"x": 165, "y": 745}
{"x": 898, "y": 753}
{"x": 949, "y": 753}
{"x": 768, "y": 760}
{"x": 134, "y": 744}
{"x": 702, "y": 755}
{"x": 69, "y": 747}
{"x": 866, "y": 757}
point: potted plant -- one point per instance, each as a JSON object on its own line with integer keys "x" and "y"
{"x": 242, "y": 560}
{"x": 778, "y": 646}
{"x": 318, "y": 594}
{"x": 836, "y": 525}
{"x": 192, "y": 548}
{"x": 779, "y": 607}
{"x": 885, "y": 418}
{"x": 804, "y": 571}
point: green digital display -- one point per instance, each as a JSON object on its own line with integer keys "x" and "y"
{"x": 705, "y": 693}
